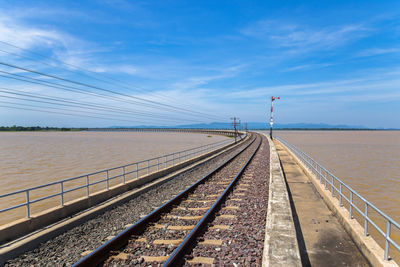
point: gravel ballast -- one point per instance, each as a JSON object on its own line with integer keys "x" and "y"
{"x": 160, "y": 239}
{"x": 242, "y": 243}
{"x": 69, "y": 247}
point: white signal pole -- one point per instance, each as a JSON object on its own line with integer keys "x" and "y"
{"x": 235, "y": 123}
{"x": 271, "y": 121}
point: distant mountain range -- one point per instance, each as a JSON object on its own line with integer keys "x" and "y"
{"x": 253, "y": 126}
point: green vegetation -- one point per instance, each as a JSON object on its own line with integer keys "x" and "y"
{"x": 15, "y": 128}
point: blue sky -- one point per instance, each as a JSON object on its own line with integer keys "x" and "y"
{"x": 333, "y": 62}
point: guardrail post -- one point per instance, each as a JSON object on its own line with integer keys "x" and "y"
{"x": 87, "y": 185}
{"x": 158, "y": 164}
{"x": 332, "y": 186}
{"x": 340, "y": 195}
{"x": 365, "y": 219}
{"x": 148, "y": 166}
{"x": 351, "y": 205}
{"x": 137, "y": 170}
{"x": 28, "y": 211}
{"x": 173, "y": 159}
{"x": 326, "y": 187}
{"x": 165, "y": 162}
{"x": 321, "y": 170}
{"x": 320, "y": 178}
{"x": 62, "y": 193}
{"x": 386, "y": 256}
{"x": 184, "y": 156}
{"x": 123, "y": 175}
{"x": 107, "y": 182}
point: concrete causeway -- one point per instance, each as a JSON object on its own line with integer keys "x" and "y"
{"x": 302, "y": 228}
{"x": 280, "y": 244}
{"x": 321, "y": 238}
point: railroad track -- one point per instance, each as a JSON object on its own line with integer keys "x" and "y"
{"x": 170, "y": 232}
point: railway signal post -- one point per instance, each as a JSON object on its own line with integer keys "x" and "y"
{"x": 235, "y": 124}
{"x": 271, "y": 121}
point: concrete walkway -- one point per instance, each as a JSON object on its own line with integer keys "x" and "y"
{"x": 322, "y": 240}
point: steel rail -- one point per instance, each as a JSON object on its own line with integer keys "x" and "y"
{"x": 101, "y": 253}
{"x": 177, "y": 256}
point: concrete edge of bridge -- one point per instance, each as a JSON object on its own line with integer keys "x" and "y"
{"x": 366, "y": 244}
{"x": 280, "y": 243}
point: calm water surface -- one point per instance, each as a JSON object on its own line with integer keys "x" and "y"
{"x": 33, "y": 158}
{"x": 367, "y": 161}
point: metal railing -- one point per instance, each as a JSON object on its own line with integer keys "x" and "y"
{"x": 337, "y": 188}
{"x": 125, "y": 173}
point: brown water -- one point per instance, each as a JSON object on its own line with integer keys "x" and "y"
{"x": 367, "y": 161}
{"x": 29, "y": 159}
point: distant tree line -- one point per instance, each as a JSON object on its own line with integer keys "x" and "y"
{"x": 15, "y": 128}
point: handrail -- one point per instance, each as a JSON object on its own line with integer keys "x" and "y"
{"x": 327, "y": 178}
{"x": 157, "y": 163}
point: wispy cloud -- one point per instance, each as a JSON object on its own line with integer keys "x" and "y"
{"x": 381, "y": 84}
{"x": 47, "y": 40}
{"x": 280, "y": 33}
{"x": 58, "y": 44}
{"x": 27, "y": 36}
{"x": 195, "y": 81}
{"x": 378, "y": 52}
{"x": 307, "y": 67}
{"x": 127, "y": 69}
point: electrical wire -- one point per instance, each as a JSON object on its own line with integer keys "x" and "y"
{"x": 119, "y": 83}
{"x": 66, "y": 102}
{"x": 103, "y": 89}
{"x": 63, "y": 113}
{"x": 109, "y": 91}
{"x": 71, "y": 89}
{"x": 79, "y": 68}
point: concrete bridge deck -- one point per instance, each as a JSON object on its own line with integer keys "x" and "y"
{"x": 321, "y": 238}
{"x": 301, "y": 221}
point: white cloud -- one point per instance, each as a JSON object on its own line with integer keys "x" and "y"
{"x": 307, "y": 66}
{"x": 378, "y": 51}
{"x": 303, "y": 37}
{"x": 200, "y": 80}
{"x": 127, "y": 69}
{"x": 383, "y": 85}
{"x": 288, "y": 88}
{"x": 19, "y": 34}
{"x": 57, "y": 44}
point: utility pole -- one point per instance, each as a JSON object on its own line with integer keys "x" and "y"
{"x": 271, "y": 121}
{"x": 240, "y": 128}
{"x": 235, "y": 123}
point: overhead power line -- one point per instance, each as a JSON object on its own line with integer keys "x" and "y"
{"x": 67, "y": 88}
{"x": 106, "y": 90}
{"x": 72, "y": 89}
{"x": 84, "y": 109}
{"x": 68, "y": 102}
{"x": 141, "y": 89}
{"x": 119, "y": 83}
{"x": 68, "y": 114}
